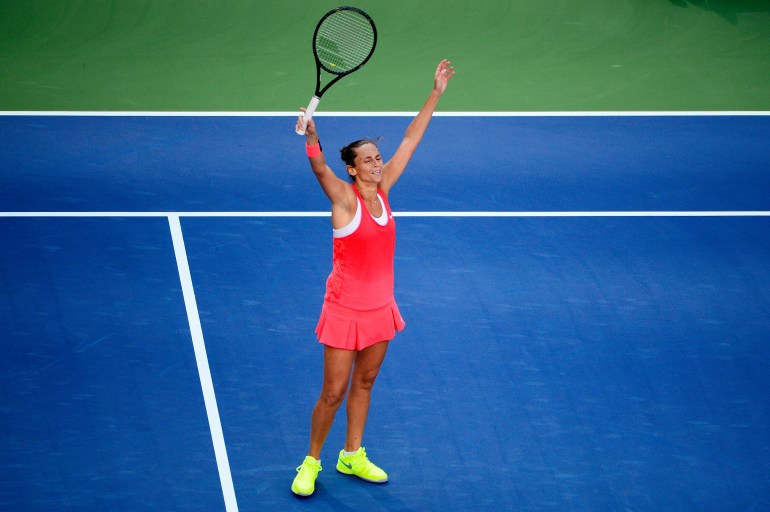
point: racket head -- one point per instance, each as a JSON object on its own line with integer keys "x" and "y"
{"x": 344, "y": 40}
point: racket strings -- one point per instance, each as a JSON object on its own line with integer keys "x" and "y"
{"x": 344, "y": 41}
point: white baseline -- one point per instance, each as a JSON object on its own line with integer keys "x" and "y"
{"x": 609, "y": 113}
{"x": 672, "y": 213}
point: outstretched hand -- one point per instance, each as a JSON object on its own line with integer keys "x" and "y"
{"x": 444, "y": 72}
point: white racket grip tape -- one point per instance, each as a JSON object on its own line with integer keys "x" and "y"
{"x": 309, "y": 111}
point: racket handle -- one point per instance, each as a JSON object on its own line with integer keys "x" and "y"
{"x": 309, "y": 111}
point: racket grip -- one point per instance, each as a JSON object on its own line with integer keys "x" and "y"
{"x": 309, "y": 111}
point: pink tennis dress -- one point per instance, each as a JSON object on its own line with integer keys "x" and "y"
{"x": 359, "y": 308}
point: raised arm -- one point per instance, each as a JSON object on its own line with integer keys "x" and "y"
{"x": 395, "y": 167}
{"x": 335, "y": 189}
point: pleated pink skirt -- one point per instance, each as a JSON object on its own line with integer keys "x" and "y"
{"x": 349, "y": 329}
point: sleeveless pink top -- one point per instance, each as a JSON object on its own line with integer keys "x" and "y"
{"x": 362, "y": 263}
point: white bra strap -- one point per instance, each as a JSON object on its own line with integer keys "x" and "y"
{"x": 352, "y": 225}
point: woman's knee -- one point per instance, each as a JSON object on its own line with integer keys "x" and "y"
{"x": 332, "y": 397}
{"x": 364, "y": 379}
{"x": 367, "y": 366}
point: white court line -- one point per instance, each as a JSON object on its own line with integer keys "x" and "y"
{"x": 164, "y": 214}
{"x": 589, "y": 214}
{"x": 204, "y": 372}
{"x": 673, "y": 213}
{"x": 629, "y": 113}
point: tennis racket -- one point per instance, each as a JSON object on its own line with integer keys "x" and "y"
{"x": 343, "y": 41}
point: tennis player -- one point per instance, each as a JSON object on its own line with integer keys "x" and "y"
{"x": 359, "y": 314}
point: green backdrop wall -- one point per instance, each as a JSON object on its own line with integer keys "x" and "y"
{"x": 518, "y": 55}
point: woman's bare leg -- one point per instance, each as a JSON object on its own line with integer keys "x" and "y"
{"x": 337, "y": 365}
{"x": 365, "y": 370}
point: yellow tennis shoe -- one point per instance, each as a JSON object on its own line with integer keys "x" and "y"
{"x": 304, "y": 482}
{"x": 359, "y": 465}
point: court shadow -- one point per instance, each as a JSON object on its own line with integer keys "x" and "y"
{"x": 727, "y": 9}
{"x": 382, "y": 494}
{"x": 323, "y": 496}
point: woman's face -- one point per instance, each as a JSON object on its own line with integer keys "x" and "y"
{"x": 368, "y": 164}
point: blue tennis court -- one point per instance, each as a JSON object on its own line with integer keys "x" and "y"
{"x": 587, "y": 300}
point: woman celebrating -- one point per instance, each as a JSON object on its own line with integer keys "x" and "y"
{"x": 359, "y": 314}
